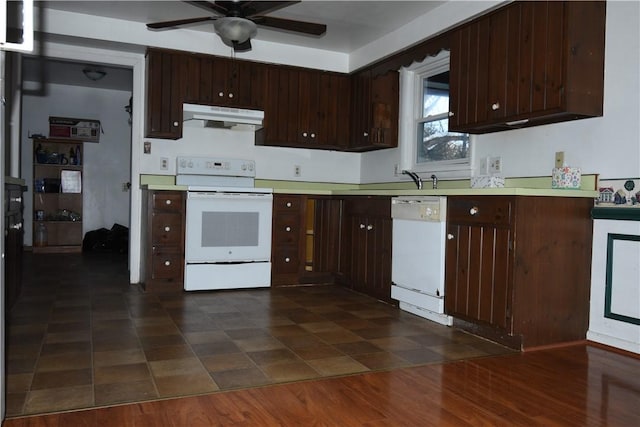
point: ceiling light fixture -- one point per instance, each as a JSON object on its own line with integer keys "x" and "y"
{"x": 235, "y": 29}
{"x": 93, "y": 74}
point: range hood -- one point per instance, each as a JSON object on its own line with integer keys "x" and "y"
{"x": 223, "y": 117}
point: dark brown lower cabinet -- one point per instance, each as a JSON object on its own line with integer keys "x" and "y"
{"x": 366, "y": 246}
{"x": 305, "y": 242}
{"x": 163, "y": 248}
{"x": 517, "y": 269}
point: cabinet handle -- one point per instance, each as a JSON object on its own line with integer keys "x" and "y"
{"x": 495, "y": 106}
{"x": 287, "y": 259}
{"x": 362, "y": 226}
{"x": 287, "y": 229}
{"x": 167, "y": 263}
{"x": 313, "y": 135}
{"x": 167, "y": 228}
{"x": 304, "y": 134}
{"x": 369, "y": 227}
{"x": 451, "y": 114}
{"x": 176, "y": 124}
{"x": 450, "y": 236}
{"x": 17, "y": 226}
{"x": 288, "y": 204}
{"x": 167, "y": 202}
{"x": 16, "y": 199}
{"x": 230, "y": 95}
{"x": 220, "y": 94}
{"x": 474, "y": 210}
{"x": 365, "y": 134}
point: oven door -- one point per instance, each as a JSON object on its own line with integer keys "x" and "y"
{"x": 228, "y": 227}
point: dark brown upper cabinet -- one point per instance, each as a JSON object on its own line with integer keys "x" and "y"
{"x": 374, "y": 110}
{"x": 165, "y": 85}
{"x": 306, "y": 108}
{"x": 526, "y": 64}
{"x": 231, "y": 82}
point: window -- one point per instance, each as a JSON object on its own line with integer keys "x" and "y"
{"x": 428, "y": 146}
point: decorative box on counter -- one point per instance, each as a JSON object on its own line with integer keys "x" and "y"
{"x": 487, "y": 181}
{"x": 566, "y": 177}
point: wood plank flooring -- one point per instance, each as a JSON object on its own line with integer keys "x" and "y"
{"x": 578, "y": 385}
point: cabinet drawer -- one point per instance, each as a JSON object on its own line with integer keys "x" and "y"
{"x": 286, "y": 260}
{"x": 475, "y": 210}
{"x": 167, "y": 201}
{"x": 166, "y": 229}
{"x": 286, "y": 230}
{"x": 166, "y": 263}
{"x": 287, "y": 203}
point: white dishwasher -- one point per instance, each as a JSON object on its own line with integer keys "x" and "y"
{"x": 417, "y": 262}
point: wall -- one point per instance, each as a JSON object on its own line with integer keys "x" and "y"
{"x": 106, "y": 164}
{"x": 271, "y": 162}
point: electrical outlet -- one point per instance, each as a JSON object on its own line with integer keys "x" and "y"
{"x": 495, "y": 164}
{"x": 164, "y": 163}
{"x": 484, "y": 166}
{"x": 297, "y": 170}
{"x": 559, "y": 159}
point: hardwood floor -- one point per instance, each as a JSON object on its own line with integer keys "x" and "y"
{"x": 579, "y": 385}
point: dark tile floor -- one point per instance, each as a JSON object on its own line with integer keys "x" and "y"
{"x": 81, "y": 336}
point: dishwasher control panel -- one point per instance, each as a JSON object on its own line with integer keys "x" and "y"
{"x": 419, "y": 208}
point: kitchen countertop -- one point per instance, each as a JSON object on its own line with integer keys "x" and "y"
{"x": 402, "y": 189}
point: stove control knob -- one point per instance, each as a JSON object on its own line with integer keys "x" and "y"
{"x": 190, "y": 165}
{"x": 183, "y": 163}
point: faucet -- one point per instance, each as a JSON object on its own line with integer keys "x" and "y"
{"x": 414, "y": 176}
{"x": 434, "y": 179}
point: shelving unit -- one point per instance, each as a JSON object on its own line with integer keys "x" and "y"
{"x": 57, "y": 206}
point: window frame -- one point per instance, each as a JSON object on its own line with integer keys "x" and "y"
{"x": 411, "y": 111}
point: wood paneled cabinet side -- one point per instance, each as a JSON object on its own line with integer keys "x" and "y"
{"x": 517, "y": 268}
{"x": 164, "y": 225}
{"x": 528, "y": 63}
{"x": 365, "y": 253}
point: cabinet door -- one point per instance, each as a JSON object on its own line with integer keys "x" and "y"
{"x": 246, "y": 83}
{"x": 468, "y": 75}
{"x": 385, "y": 98}
{"x": 164, "y": 97}
{"x": 477, "y": 269}
{"x": 307, "y": 114}
{"x": 281, "y": 106}
{"x": 189, "y": 77}
{"x": 333, "y": 111}
{"x": 366, "y": 259}
{"x": 360, "y": 109}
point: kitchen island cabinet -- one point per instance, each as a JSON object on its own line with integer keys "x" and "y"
{"x": 365, "y": 254}
{"x": 163, "y": 248}
{"x": 517, "y": 268}
{"x": 528, "y": 63}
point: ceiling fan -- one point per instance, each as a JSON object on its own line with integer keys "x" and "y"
{"x": 237, "y": 21}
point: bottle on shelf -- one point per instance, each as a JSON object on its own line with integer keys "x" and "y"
{"x": 41, "y": 237}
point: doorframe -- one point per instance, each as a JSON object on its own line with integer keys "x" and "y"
{"x": 136, "y": 61}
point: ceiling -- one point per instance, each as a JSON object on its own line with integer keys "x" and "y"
{"x": 350, "y": 26}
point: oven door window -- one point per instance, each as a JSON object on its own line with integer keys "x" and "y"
{"x": 228, "y": 227}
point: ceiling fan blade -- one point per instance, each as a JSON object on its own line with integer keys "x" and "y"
{"x": 252, "y": 8}
{"x": 211, "y": 6}
{"x": 288, "y": 24}
{"x": 170, "y": 24}
{"x": 241, "y": 47}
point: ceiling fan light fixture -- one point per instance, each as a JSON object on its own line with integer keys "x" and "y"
{"x": 236, "y": 29}
{"x": 93, "y": 74}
